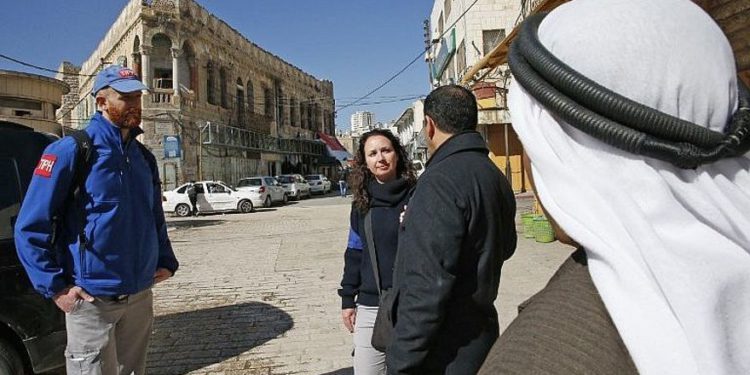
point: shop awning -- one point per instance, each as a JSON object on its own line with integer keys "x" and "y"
{"x": 334, "y": 147}
{"x": 499, "y": 54}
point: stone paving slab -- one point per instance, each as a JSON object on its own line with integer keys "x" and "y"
{"x": 256, "y": 293}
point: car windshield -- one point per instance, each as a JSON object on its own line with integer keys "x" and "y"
{"x": 286, "y": 179}
{"x": 313, "y": 177}
{"x": 250, "y": 182}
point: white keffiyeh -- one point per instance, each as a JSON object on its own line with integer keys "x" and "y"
{"x": 668, "y": 248}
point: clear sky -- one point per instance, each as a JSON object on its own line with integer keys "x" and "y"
{"x": 356, "y": 44}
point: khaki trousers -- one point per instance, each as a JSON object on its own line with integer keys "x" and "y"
{"x": 109, "y": 337}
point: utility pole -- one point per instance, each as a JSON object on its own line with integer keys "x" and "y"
{"x": 200, "y": 147}
{"x": 428, "y": 47}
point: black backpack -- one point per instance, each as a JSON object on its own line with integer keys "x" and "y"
{"x": 81, "y": 170}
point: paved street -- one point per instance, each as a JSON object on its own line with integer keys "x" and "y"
{"x": 256, "y": 293}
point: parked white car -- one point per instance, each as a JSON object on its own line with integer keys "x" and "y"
{"x": 318, "y": 183}
{"x": 270, "y": 190}
{"x": 295, "y": 185}
{"x": 213, "y": 196}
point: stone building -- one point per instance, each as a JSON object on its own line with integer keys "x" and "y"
{"x": 489, "y": 76}
{"x": 31, "y": 100}
{"x": 455, "y": 49}
{"x": 219, "y": 107}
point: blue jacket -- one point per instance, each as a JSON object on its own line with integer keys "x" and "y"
{"x": 124, "y": 226}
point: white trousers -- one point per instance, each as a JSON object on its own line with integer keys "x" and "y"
{"x": 367, "y": 360}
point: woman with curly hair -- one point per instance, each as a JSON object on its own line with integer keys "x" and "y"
{"x": 381, "y": 181}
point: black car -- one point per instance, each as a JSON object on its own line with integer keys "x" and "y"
{"x": 32, "y": 328}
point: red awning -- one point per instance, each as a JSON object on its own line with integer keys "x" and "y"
{"x": 331, "y": 141}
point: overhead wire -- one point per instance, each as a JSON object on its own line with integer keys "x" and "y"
{"x": 389, "y": 80}
{"x": 29, "y": 65}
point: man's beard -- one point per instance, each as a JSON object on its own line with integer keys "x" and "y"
{"x": 127, "y": 119}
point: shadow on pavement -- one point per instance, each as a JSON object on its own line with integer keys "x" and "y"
{"x": 188, "y": 341}
{"x": 192, "y": 223}
{"x": 343, "y": 371}
{"x": 260, "y": 209}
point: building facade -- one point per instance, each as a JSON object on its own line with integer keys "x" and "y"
{"x": 31, "y": 100}
{"x": 410, "y": 127}
{"x": 459, "y": 39}
{"x": 219, "y": 107}
{"x": 361, "y": 122}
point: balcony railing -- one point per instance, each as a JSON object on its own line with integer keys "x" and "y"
{"x": 222, "y": 135}
{"x": 161, "y": 96}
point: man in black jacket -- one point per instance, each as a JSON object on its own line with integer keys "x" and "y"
{"x": 456, "y": 232}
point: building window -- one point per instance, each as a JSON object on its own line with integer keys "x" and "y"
{"x": 447, "y": 7}
{"x": 20, "y": 104}
{"x": 163, "y": 78}
{"x": 491, "y": 38}
{"x": 302, "y": 115}
{"x": 461, "y": 58}
{"x": 440, "y": 24}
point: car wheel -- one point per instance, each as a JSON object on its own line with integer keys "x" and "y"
{"x": 245, "y": 206}
{"x": 267, "y": 202}
{"x": 10, "y": 361}
{"x": 286, "y": 198}
{"x": 182, "y": 210}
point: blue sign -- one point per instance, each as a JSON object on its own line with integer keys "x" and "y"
{"x": 172, "y": 146}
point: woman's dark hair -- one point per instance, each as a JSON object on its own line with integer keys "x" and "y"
{"x": 361, "y": 175}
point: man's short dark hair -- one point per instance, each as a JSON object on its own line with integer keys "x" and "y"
{"x": 453, "y": 108}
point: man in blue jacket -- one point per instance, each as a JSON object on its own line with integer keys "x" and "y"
{"x": 111, "y": 245}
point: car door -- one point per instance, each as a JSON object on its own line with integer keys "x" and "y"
{"x": 201, "y": 198}
{"x": 276, "y": 192}
{"x": 220, "y": 196}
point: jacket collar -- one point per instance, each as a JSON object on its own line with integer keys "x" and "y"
{"x": 109, "y": 130}
{"x": 465, "y": 141}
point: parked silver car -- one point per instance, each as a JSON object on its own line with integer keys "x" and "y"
{"x": 318, "y": 183}
{"x": 295, "y": 185}
{"x": 270, "y": 190}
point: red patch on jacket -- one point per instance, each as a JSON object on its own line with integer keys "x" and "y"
{"x": 46, "y": 163}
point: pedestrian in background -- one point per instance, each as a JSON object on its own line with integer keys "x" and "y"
{"x": 343, "y": 181}
{"x": 112, "y": 245}
{"x": 381, "y": 179}
{"x": 457, "y": 231}
{"x": 660, "y": 280}
{"x": 192, "y": 192}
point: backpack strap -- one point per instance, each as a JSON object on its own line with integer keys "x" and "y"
{"x": 77, "y": 190}
{"x": 371, "y": 249}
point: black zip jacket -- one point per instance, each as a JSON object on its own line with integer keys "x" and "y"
{"x": 386, "y": 203}
{"x": 457, "y": 231}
